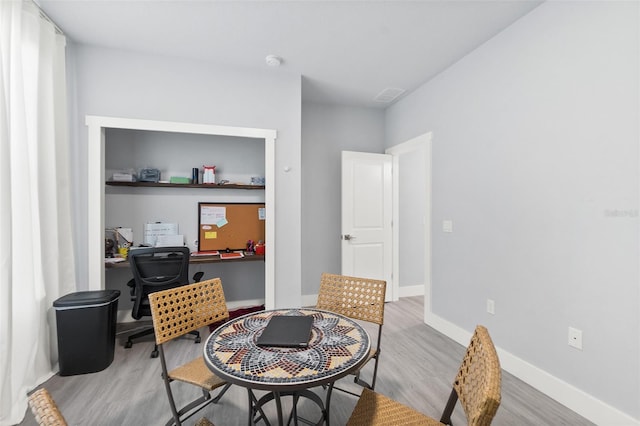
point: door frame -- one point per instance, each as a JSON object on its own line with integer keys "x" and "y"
{"x": 96, "y": 178}
{"x": 411, "y": 145}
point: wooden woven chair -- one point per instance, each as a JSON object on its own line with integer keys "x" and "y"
{"x": 45, "y": 409}
{"x": 359, "y": 299}
{"x": 176, "y": 312}
{"x": 477, "y": 386}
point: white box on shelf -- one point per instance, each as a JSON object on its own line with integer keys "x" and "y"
{"x": 123, "y": 177}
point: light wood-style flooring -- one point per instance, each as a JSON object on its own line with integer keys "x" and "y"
{"x": 417, "y": 366}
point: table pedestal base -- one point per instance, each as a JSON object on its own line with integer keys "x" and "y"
{"x": 256, "y": 413}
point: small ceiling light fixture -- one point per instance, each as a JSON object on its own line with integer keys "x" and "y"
{"x": 273, "y": 60}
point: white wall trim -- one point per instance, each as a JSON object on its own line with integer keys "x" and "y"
{"x": 245, "y": 303}
{"x": 95, "y": 186}
{"x": 395, "y": 151}
{"x": 566, "y": 394}
{"x": 408, "y": 291}
{"x": 309, "y": 300}
{"x": 411, "y": 290}
{"x": 176, "y": 127}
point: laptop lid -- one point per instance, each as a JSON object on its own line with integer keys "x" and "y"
{"x": 287, "y": 331}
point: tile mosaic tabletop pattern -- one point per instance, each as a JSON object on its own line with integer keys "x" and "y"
{"x": 337, "y": 345}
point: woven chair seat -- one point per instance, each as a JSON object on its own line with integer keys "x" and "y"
{"x": 197, "y": 373}
{"x": 375, "y": 409}
{"x": 45, "y": 410}
{"x": 370, "y": 355}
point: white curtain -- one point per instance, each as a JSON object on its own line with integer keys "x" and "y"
{"x": 36, "y": 253}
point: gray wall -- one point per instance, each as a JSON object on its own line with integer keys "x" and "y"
{"x": 327, "y": 130}
{"x": 121, "y": 84}
{"x": 535, "y": 159}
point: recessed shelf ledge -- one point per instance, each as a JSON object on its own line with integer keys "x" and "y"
{"x": 184, "y": 185}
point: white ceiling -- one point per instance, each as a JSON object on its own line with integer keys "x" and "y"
{"x": 346, "y": 51}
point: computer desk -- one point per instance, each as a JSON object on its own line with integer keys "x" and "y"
{"x": 197, "y": 260}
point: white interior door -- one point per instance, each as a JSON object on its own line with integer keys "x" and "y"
{"x": 367, "y": 216}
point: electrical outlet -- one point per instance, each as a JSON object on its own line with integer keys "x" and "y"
{"x": 575, "y": 338}
{"x": 491, "y": 306}
{"x": 447, "y": 226}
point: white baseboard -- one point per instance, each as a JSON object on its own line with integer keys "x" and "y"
{"x": 411, "y": 290}
{"x": 244, "y": 303}
{"x": 406, "y": 291}
{"x": 124, "y": 316}
{"x": 568, "y": 395}
{"x": 309, "y": 299}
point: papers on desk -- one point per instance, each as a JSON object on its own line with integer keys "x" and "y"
{"x": 223, "y": 255}
{"x": 160, "y": 234}
{"x": 110, "y": 260}
{"x": 125, "y": 234}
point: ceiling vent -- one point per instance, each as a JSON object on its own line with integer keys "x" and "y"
{"x": 389, "y": 94}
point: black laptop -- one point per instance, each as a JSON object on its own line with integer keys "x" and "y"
{"x": 287, "y": 331}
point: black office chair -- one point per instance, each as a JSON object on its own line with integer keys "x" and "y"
{"x": 155, "y": 269}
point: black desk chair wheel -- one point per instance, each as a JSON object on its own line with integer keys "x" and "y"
{"x": 156, "y": 269}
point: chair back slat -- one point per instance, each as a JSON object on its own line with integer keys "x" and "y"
{"x": 357, "y": 298}
{"x": 478, "y": 380}
{"x": 179, "y": 310}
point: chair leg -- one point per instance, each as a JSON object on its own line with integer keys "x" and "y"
{"x": 154, "y": 352}
{"x": 197, "y": 334}
{"x": 375, "y": 372}
{"x": 365, "y": 384}
{"x": 179, "y": 415}
{"x": 145, "y": 332}
{"x": 129, "y": 342}
{"x": 448, "y": 410}
{"x": 222, "y": 392}
{"x": 172, "y": 404}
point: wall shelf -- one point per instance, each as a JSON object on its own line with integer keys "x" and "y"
{"x": 183, "y": 185}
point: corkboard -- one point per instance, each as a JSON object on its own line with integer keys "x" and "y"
{"x": 224, "y": 226}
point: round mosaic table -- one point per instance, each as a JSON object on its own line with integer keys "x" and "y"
{"x": 338, "y": 346}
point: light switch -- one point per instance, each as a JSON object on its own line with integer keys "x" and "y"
{"x": 447, "y": 226}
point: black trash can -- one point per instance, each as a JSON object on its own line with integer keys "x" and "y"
{"x": 86, "y": 323}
